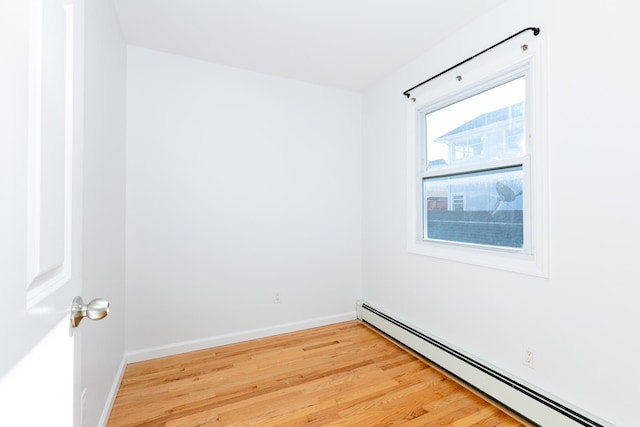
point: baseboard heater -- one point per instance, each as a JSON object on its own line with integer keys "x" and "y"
{"x": 514, "y": 394}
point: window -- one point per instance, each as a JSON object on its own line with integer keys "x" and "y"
{"x": 476, "y": 196}
{"x": 472, "y": 137}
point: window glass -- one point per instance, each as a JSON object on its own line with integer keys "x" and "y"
{"x": 483, "y": 208}
{"x": 484, "y": 127}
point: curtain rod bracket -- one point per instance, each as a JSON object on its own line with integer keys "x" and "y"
{"x": 535, "y": 30}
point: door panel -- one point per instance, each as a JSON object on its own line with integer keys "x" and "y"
{"x": 51, "y": 143}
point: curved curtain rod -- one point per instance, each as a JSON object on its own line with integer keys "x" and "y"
{"x": 535, "y": 30}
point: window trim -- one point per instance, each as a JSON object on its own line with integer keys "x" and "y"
{"x": 481, "y": 73}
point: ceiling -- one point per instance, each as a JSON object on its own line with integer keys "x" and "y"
{"x": 347, "y": 44}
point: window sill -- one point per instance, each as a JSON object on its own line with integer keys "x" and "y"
{"x": 500, "y": 259}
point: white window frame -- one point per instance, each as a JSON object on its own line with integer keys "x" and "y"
{"x": 483, "y": 72}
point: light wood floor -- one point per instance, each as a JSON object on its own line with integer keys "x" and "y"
{"x": 344, "y": 374}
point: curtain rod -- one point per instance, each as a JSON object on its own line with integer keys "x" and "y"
{"x": 535, "y": 30}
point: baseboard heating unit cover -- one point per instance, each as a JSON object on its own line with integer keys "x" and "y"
{"x": 520, "y": 397}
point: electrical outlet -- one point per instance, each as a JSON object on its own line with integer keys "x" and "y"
{"x": 529, "y": 357}
{"x": 277, "y": 298}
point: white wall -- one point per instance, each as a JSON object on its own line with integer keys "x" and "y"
{"x": 104, "y": 203}
{"x": 239, "y": 185}
{"x": 583, "y": 320}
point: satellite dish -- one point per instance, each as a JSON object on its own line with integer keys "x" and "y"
{"x": 505, "y": 194}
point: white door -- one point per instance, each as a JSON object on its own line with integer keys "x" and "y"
{"x": 40, "y": 207}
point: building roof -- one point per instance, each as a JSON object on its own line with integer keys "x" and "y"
{"x": 486, "y": 119}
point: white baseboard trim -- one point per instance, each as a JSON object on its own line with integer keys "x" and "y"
{"x": 534, "y": 404}
{"x": 111, "y": 397}
{"x": 235, "y": 337}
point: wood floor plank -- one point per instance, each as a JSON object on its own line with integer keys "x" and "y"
{"x": 339, "y": 375}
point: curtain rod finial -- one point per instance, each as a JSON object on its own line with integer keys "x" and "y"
{"x": 536, "y": 31}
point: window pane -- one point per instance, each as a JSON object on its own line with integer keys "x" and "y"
{"x": 481, "y": 208}
{"x": 487, "y": 126}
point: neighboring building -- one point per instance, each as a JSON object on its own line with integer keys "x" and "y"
{"x": 496, "y": 134}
